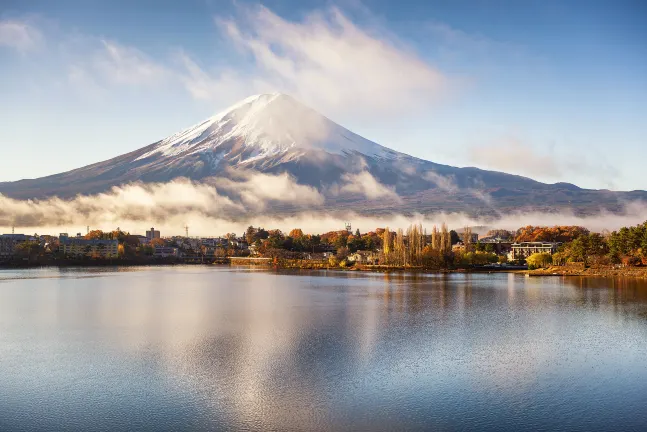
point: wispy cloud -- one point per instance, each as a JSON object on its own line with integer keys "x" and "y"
{"x": 366, "y": 185}
{"x": 257, "y": 190}
{"x": 209, "y": 211}
{"x": 127, "y": 65}
{"x": 513, "y": 155}
{"x": 325, "y": 60}
{"x": 19, "y": 35}
{"x": 447, "y": 183}
{"x": 202, "y": 85}
{"x": 248, "y": 193}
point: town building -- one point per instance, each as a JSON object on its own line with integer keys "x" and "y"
{"x": 165, "y": 251}
{"x": 326, "y": 248}
{"x": 212, "y": 251}
{"x": 152, "y": 234}
{"x": 143, "y": 240}
{"x": 214, "y": 242}
{"x": 240, "y": 244}
{"x": 499, "y": 245}
{"x": 8, "y": 243}
{"x": 363, "y": 257}
{"x": 521, "y": 251}
{"x": 458, "y": 247}
{"x": 79, "y": 246}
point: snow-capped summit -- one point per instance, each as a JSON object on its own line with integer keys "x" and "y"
{"x": 265, "y": 125}
{"x": 276, "y": 134}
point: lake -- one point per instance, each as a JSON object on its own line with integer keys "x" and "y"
{"x": 216, "y": 348}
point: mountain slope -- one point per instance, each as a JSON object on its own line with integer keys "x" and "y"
{"x": 273, "y": 133}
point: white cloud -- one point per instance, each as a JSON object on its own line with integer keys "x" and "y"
{"x": 247, "y": 194}
{"x": 448, "y": 184}
{"x": 134, "y": 202}
{"x": 19, "y": 35}
{"x": 256, "y": 190}
{"x": 170, "y": 206}
{"x": 226, "y": 85}
{"x": 326, "y": 61}
{"x": 445, "y": 183}
{"x": 513, "y": 155}
{"x": 366, "y": 185}
{"x": 127, "y": 65}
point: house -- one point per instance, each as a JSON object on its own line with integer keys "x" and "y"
{"x": 253, "y": 250}
{"x": 239, "y": 244}
{"x": 363, "y": 257}
{"x": 79, "y": 246}
{"x": 211, "y": 242}
{"x": 521, "y": 251}
{"x": 316, "y": 256}
{"x": 188, "y": 243}
{"x": 213, "y": 251}
{"x": 326, "y": 248}
{"x": 458, "y": 247}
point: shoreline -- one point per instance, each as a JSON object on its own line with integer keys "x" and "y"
{"x": 600, "y": 272}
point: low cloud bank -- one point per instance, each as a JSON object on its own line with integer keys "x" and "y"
{"x": 231, "y": 205}
{"x": 366, "y": 185}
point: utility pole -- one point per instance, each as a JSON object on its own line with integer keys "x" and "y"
{"x": 186, "y": 230}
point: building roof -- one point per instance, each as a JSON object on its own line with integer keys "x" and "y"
{"x": 82, "y": 241}
{"x": 535, "y": 244}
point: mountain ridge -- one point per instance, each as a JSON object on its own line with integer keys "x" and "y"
{"x": 276, "y": 134}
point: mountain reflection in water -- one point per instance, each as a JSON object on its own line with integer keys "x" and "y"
{"x": 211, "y": 348}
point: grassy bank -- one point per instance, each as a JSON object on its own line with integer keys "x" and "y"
{"x": 599, "y": 271}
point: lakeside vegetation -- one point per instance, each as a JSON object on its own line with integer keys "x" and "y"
{"x": 440, "y": 249}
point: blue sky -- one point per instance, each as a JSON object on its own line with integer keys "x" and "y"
{"x": 555, "y": 90}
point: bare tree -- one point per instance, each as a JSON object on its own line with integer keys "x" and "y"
{"x": 445, "y": 239}
{"x": 467, "y": 238}
{"x": 386, "y": 245}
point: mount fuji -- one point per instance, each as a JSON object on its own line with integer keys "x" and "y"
{"x": 275, "y": 134}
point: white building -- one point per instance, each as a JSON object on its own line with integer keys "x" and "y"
{"x": 363, "y": 257}
{"x": 521, "y": 251}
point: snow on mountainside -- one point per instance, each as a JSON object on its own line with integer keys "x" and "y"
{"x": 275, "y": 134}
{"x": 268, "y": 125}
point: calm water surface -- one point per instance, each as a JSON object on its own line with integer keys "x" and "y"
{"x": 198, "y": 348}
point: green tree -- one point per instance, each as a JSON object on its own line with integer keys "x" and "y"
{"x": 455, "y": 238}
{"x": 28, "y": 249}
{"x": 250, "y": 234}
{"x": 539, "y": 260}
